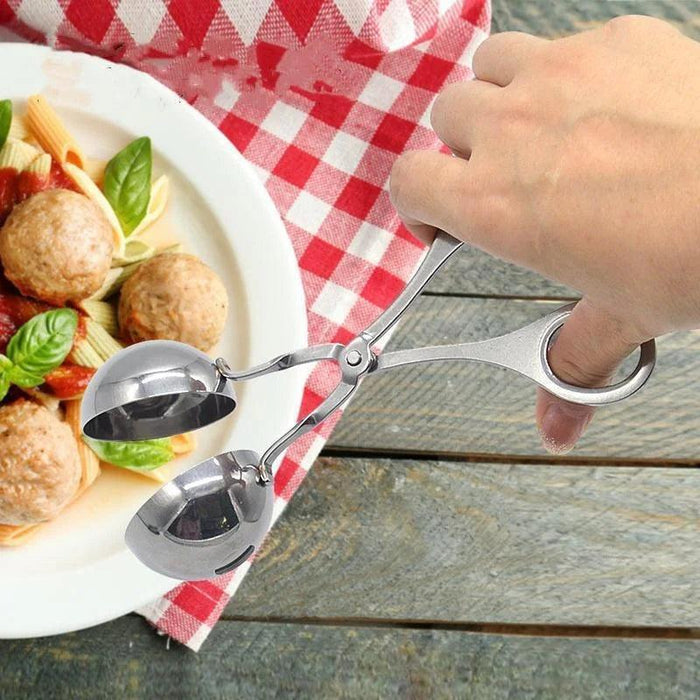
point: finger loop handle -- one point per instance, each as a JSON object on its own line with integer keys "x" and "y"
{"x": 597, "y": 396}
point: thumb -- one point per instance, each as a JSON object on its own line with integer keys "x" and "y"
{"x": 586, "y": 352}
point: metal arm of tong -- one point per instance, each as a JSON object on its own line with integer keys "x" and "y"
{"x": 523, "y": 351}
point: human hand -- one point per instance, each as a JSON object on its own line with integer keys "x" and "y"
{"x": 580, "y": 159}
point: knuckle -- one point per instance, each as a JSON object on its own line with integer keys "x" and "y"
{"x": 401, "y": 171}
{"x": 443, "y": 103}
{"x": 627, "y": 25}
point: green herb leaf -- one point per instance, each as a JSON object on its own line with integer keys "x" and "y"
{"x": 127, "y": 183}
{"x": 41, "y": 345}
{"x": 5, "y": 365}
{"x": 16, "y": 375}
{"x": 143, "y": 455}
{"x": 5, "y": 120}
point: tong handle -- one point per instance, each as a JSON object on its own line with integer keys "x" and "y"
{"x": 526, "y": 351}
{"x": 315, "y": 353}
{"x": 442, "y": 248}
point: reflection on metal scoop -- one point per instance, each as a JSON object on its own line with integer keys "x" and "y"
{"x": 214, "y": 516}
{"x": 219, "y": 510}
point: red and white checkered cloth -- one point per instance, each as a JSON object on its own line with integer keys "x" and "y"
{"x": 320, "y": 96}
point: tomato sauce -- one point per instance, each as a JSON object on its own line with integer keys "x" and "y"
{"x": 14, "y": 311}
{"x": 15, "y": 186}
{"x": 68, "y": 381}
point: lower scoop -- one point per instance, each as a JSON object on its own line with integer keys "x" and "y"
{"x": 205, "y": 522}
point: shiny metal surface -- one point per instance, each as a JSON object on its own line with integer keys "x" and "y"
{"x": 214, "y": 516}
{"x": 525, "y": 351}
{"x": 206, "y": 521}
{"x": 155, "y": 389}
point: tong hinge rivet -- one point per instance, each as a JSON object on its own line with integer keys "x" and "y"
{"x": 353, "y": 358}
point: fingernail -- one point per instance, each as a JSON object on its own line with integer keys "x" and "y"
{"x": 562, "y": 425}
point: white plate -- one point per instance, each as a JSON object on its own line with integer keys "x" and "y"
{"x": 78, "y": 571}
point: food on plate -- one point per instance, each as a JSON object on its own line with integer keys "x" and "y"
{"x": 175, "y": 297}
{"x": 56, "y": 246}
{"x": 40, "y": 467}
{"x": 85, "y": 271}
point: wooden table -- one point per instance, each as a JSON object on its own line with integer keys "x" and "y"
{"x": 436, "y": 550}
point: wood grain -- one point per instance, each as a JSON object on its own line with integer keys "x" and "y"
{"x": 475, "y": 543}
{"x": 252, "y": 660}
{"x": 554, "y": 19}
{"x": 473, "y": 272}
{"x": 468, "y": 408}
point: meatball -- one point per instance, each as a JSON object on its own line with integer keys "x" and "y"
{"x": 56, "y": 246}
{"x": 174, "y": 296}
{"x": 40, "y": 467}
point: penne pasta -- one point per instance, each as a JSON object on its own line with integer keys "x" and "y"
{"x": 100, "y": 340}
{"x": 49, "y": 130}
{"x": 111, "y": 285}
{"x": 85, "y": 355}
{"x": 88, "y": 459}
{"x": 184, "y": 443}
{"x": 89, "y": 188}
{"x": 18, "y": 127}
{"x": 161, "y": 474}
{"x": 103, "y": 313}
{"x": 41, "y": 165}
{"x": 95, "y": 169}
{"x": 156, "y": 204}
{"x": 17, "y": 154}
{"x": 134, "y": 252}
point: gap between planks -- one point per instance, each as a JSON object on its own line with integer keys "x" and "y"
{"x": 506, "y": 297}
{"x": 505, "y": 629}
{"x": 485, "y": 457}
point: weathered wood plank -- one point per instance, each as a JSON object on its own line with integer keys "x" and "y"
{"x": 464, "y": 407}
{"x": 472, "y": 271}
{"x": 553, "y": 19}
{"x": 252, "y": 660}
{"x": 475, "y": 543}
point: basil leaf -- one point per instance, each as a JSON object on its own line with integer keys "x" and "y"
{"x": 18, "y": 376}
{"x": 5, "y": 120}
{"x": 127, "y": 183}
{"x": 5, "y": 365}
{"x": 41, "y": 345}
{"x": 143, "y": 454}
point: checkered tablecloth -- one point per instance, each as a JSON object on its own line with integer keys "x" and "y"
{"x": 320, "y": 96}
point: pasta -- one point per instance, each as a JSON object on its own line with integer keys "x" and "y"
{"x": 103, "y": 313}
{"x": 17, "y": 154}
{"x": 18, "y": 128}
{"x": 88, "y": 459}
{"x": 134, "y": 252}
{"x": 96, "y": 347}
{"x": 95, "y": 169}
{"x": 39, "y": 144}
{"x": 183, "y": 444}
{"x": 156, "y": 204}
{"x": 41, "y": 165}
{"x": 49, "y": 130}
{"x": 89, "y": 188}
{"x": 112, "y": 283}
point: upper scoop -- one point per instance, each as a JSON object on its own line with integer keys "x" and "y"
{"x": 155, "y": 389}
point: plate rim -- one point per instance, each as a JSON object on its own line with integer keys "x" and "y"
{"x": 296, "y": 315}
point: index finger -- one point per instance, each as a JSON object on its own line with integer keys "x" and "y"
{"x": 437, "y": 190}
{"x": 498, "y": 58}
